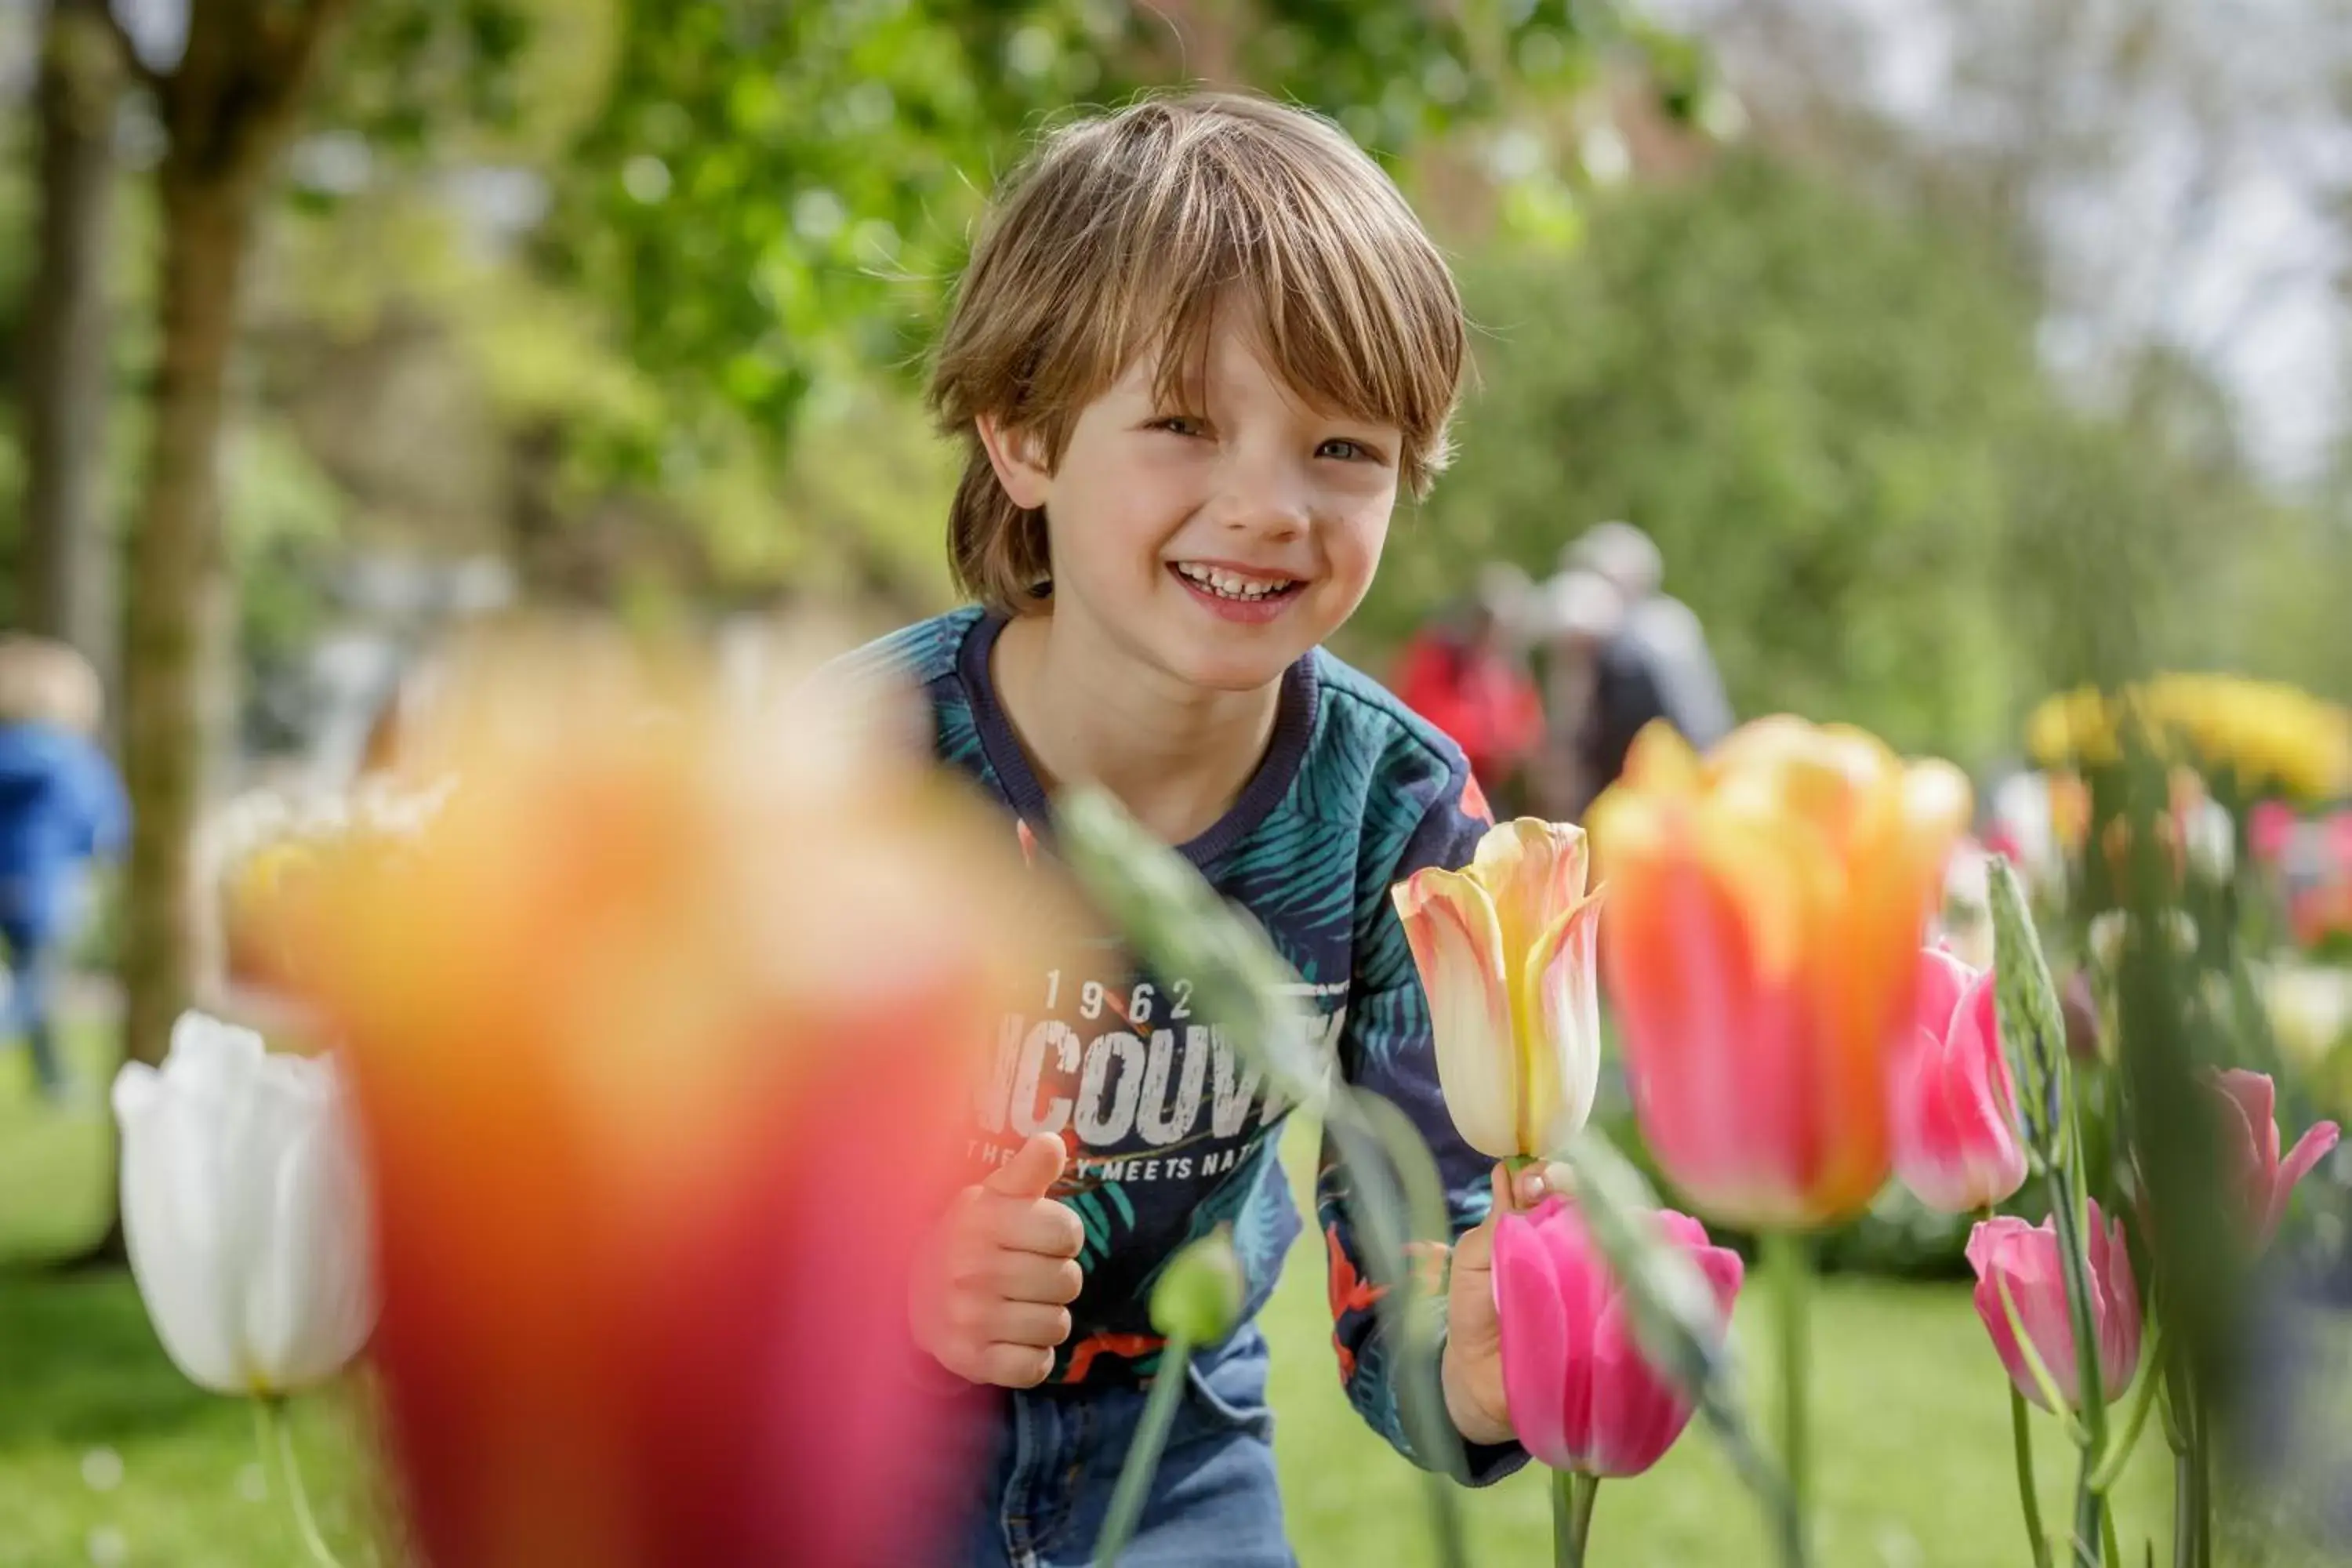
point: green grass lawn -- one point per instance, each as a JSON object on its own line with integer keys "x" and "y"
{"x": 106, "y": 1457}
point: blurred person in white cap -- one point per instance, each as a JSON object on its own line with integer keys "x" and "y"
{"x": 61, "y": 807}
{"x": 1655, "y": 664}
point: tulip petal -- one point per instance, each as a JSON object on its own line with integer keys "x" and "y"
{"x": 1563, "y": 1045}
{"x": 2119, "y": 1306}
{"x": 2308, "y": 1151}
{"x": 2257, "y": 1098}
{"x": 1637, "y": 1414}
{"x": 181, "y": 1127}
{"x": 1709, "y": 1021}
{"x": 1660, "y": 759}
{"x": 310, "y": 1304}
{"x": 1457, "y": 945}
{"x": 1943, "y": 980}
{"x": 1533, "y": 1308}
{"x": 2002, "y": 1252}
{"x": 1952, "y": 1105}
{"x": 1531, "y": 869}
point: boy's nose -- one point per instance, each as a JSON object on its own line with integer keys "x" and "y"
{"x": 1262, "y": 504}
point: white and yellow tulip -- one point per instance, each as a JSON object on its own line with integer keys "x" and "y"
{"x": 1506, "y": 951}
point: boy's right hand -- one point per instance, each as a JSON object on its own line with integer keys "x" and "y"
{"x": 994, "y": 1299}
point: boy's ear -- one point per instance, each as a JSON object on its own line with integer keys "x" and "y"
{"x": 1019, "y": 458}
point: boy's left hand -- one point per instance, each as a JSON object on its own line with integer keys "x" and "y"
{"x": 1472, "y": 1370}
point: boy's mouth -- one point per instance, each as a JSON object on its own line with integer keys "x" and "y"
{"x": 1234, "y": 587}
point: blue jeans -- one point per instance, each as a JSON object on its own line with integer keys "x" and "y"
{"x": 1056, "y": 1459}
{"x": 34, "y": 957}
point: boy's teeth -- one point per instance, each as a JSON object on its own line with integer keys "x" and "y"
{"x": 1228, "y": 584}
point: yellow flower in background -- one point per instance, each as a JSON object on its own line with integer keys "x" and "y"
{"x": 2310, "y": 1008}
{"x": 2073, "y": 726}
{"x": 2274, "y": 736}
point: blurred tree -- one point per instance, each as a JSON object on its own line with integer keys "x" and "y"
{"x": 771, "y": 195}
{"x": 1830, "y": 415}
{"x": 227, "y": 110}
{"x": 68, "y": 576}
{"x": 2167, "y": 180}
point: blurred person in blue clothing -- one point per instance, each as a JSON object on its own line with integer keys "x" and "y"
{"x": 61, "y": 809}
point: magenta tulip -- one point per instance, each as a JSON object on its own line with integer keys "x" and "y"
{"x": 1952, "y": 1105}
{"x": 2006, "y": 1251}
{"x": 2249, "y": 1142}
{"x": 1581, "y": 1393}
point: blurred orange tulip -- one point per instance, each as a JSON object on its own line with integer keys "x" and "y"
{"x": 1761, "y": 953}
{"x": 662, "y": 1035}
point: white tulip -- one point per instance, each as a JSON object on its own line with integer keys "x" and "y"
{"x": 2211, "y": 834}
{"x": 2023, "y": 806}
{"x": 1505, "y": 949}
{"x": 244, "y": 1209}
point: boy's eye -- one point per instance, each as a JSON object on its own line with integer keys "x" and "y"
{"x": 1348, "y": 451}
{"x": 1180, "y": 425}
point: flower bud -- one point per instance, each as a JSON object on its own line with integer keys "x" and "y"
{"x": 1199, "y": 1296}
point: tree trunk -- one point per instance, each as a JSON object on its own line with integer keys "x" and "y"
{"x": 178, "y": 583}
{"x": 228, "y": 111}
{"x": 69, "y": 573}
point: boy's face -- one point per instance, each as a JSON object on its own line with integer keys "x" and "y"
{"x": 1216, "y": 544}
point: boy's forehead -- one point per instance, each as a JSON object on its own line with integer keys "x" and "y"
{"x": 1232, "y": 353}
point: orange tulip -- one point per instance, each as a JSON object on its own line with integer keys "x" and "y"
{"x": 661, "y": 1035}
{"x": 1761, "y": 953}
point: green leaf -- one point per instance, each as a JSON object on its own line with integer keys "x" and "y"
{"x": 2033, "y": 1025}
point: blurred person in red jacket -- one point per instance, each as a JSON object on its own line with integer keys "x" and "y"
{"x": 1466, "y": 673}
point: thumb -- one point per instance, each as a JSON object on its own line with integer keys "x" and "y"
{"x": 1473, "y": 1252}
{"x": 1032, "y": 1173}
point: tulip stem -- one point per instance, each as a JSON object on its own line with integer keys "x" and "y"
{"x": 2122, "y": 1441}
{"x": 1128, "y": 1498}
{"x": 2028, "y": 1496}
{"x": 277, "y": 1434}
{"x": 1786, "y": 1260}
{"x": 1573, "y": 1497}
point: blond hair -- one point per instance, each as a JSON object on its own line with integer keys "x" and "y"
{"x": 1122, "y": 235}
{"x": 46, "y": 683}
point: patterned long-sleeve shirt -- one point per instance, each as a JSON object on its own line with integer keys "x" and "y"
{"x": 1171, "y": 1132}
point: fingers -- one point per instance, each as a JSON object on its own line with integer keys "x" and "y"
{"x": 1007, "y": 1343}
{"x": 1040, "y": 1225}
{"x": 1031, "y": 1172}
{"x": 1474, "y": 1252}
{"x": 1025, "y": 1325}
{"x": 1013, "y": 1366}
{"x": 1022, "y": 1277}
{"x": 1012, "y": 1272}
{"x": 1535, "y": 1183}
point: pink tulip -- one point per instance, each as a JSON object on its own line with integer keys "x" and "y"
{"x": 1952, "y": 1106}
{"x": 1582, "y": 1396}
{"x": 2270, "y": 831}
{"x": 2008, "y": 1251}
{"x": 2249, "y": 1137}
